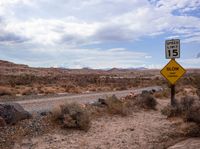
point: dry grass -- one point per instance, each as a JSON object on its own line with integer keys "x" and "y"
{"x": 190, "y": 129}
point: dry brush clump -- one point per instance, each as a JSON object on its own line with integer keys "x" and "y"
{"x": 116, "y": 106}
{"x": 188, "y": 108}
{"x": 195, "y": 80}
{"x": 165, "y": 93}
{"x": 110, "y": 105}
{"x": 72, "y": 115}
{"x": 145, "y": 100}
{"x": 189, "y": 129}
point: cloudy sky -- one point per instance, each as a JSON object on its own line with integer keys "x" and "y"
{"x": 98, "y": 33}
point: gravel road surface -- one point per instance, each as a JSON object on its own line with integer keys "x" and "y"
{"x": 46, "y": 104}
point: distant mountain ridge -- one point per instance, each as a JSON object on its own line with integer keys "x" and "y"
{"x": 11, "y": 64}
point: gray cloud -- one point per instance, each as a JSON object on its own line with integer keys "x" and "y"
{"x": 114, "y": 33}
{"x": 198, "y": 55}
{"x": 72, "y": 39}
{"x": 12, "y": 38}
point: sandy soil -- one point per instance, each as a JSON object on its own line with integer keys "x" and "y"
{"x": 141, "y": 130}
{"x": 191, "y": 143}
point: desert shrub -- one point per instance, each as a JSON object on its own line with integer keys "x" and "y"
{"x": 196, "y": 81}
{"x": 145, "y": 100}
{"x": 162, "y": 94}
{"x": 72, "y": 115}
{"x": 56, "y": 114}
{"x": 96, "y": 111}
{"x": 193, "y": 113}
{"x": 170, "y": 111}
{"x": 190, "y": 129}
{"x": 116, "y": 106}
{"x": 186, "y": 103}
{"x": 5, "y": 91}
{"x": 188, "y": 108}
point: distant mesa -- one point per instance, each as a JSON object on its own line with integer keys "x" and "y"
{"x": 136, "y": 68}
{"x": 10, "y": 64}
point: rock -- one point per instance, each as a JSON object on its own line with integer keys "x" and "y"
{"x": 102, "y": 101}
{"x": 45, "y": 113}
{"x": 2, "y": 122}
{"x": 107, "y": 101}
{"x": 96, "y": 103}
{"x": 145, "y": 92}
{"x": 12, "y": 113}
{"x": 153, "y": 91}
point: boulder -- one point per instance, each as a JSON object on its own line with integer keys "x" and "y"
{"x": 12, "y": 113}
{"x": 96, "y": 103}
{"x": 102, "y": 101}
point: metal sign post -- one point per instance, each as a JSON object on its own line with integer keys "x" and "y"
{"x": 173, "y": 71}
{"x": 173, "y": 100}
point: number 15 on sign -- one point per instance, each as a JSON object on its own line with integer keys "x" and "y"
{"x": 172, "y": 48}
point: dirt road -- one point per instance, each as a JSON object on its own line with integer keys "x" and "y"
{"x": 44, "y": 104}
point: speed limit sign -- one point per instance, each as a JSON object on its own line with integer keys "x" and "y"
{"x": 172, "y": 48}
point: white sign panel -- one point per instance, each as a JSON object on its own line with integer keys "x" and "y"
{"x": 172, "y": 48}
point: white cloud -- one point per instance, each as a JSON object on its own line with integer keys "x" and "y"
{"x": 183, "y": 5}
{"x": 97, "y": 20}
{"x": 190, "y": 62}
{"x": 50, "y": 31}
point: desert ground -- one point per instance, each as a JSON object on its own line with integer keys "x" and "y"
{"x": 62, "y": 108}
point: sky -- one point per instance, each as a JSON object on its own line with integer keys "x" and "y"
{"x": 98, "y": 34}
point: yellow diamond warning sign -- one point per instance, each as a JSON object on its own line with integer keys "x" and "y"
{"x": 173, "y": 71}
